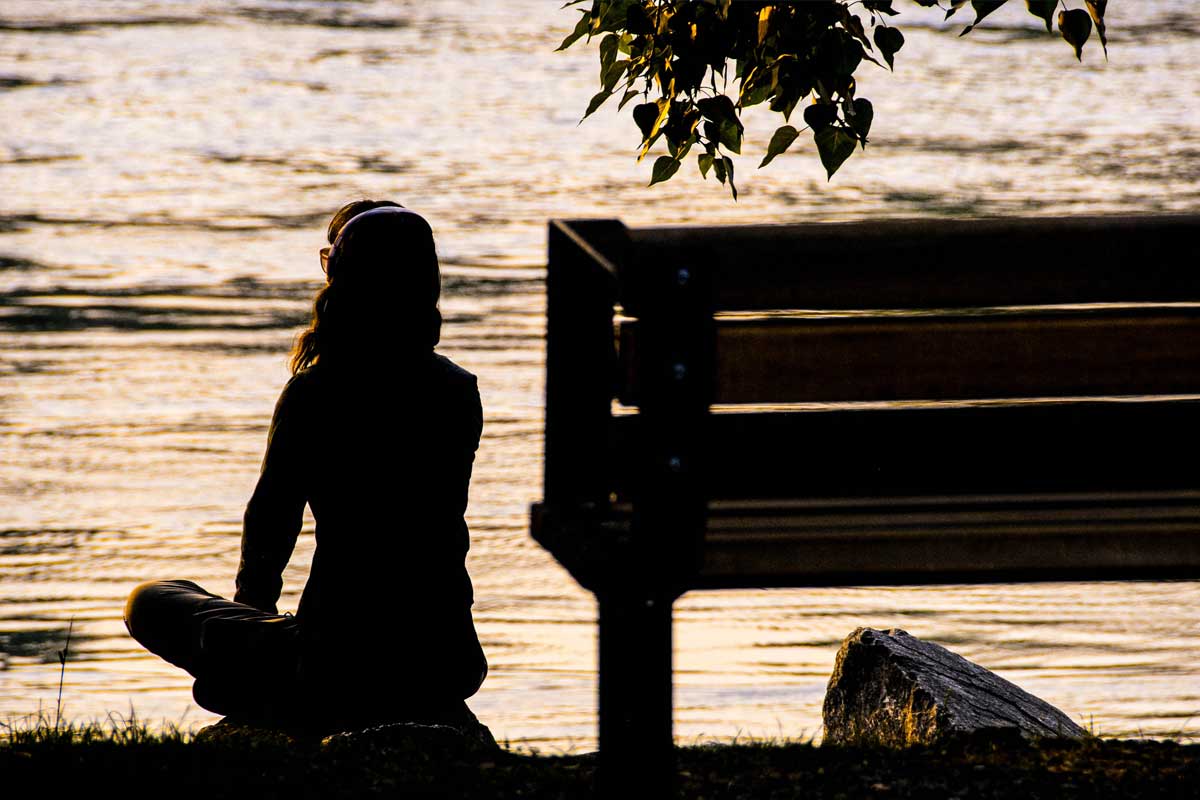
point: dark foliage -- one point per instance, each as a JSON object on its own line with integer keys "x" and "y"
{"x": 695, "y": 65}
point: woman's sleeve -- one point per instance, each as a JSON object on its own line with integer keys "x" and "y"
{"x": 474, "y": 432}
{"x": 276, "y": 509}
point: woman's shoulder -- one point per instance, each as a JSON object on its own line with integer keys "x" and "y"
{"x": 300, "y": 383}
{"x": 438, "y": 374}
{"x": 454, "y": 374}
{"x": 464, "y": 389}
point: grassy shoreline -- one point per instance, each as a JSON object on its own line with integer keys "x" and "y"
{"x": 129, "y": 758}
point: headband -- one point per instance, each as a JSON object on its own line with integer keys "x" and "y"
{"x": 337, "y": 245}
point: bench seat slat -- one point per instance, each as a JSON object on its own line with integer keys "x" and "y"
{"x": 1114, "y": 445}
{"x": 926, "y": 540}
{"x": 1118, "y": 352}
{"x": 1108, "y": 537}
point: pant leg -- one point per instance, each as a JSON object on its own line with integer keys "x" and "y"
{"x": 168, "y": 619}
{"x": 242, "y": 658}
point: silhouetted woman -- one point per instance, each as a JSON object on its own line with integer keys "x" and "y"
{"x": 377, "y": 434}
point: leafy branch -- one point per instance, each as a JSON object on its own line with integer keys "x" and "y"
{"x": 695, "y": 65}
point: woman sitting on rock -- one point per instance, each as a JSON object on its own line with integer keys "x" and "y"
{"x": 377, "y": 434}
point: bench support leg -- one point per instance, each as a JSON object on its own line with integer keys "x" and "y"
{"x": 637, "y": 755}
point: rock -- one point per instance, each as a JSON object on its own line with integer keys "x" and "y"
{"x": 232, "y": 731}
{"x": 894, "y": 690}
{"x": 457, "y": 735}
{"x": 454, "y": 733}
{"x": 431, "y": 742}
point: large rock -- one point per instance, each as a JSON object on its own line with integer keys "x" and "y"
{"x": 892, "y": 689}
{"x": 439, "y": 741}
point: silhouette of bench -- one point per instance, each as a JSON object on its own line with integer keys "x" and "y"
{"x": 902, "y": 402}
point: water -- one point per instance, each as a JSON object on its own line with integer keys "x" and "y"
{"x": 167, "y": 169}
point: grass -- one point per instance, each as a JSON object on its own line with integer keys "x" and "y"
{"x": 39, "y": 753}
{"x": 41, "y": 730}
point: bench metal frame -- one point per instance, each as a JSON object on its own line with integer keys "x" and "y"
{"x": 941, "y": 401}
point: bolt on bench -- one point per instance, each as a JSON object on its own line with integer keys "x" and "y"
{"x": 902, "y": 402}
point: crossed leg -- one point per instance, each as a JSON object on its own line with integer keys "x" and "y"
{"x": 243, "y": 659}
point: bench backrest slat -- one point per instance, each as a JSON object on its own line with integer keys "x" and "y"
{"x": 923, "y": 263}
{"x": 1139, "y": 351}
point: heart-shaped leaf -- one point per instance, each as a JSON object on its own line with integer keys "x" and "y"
{"x": 780, "y": 142}
{"x": 1075, "y": 26}
{"x": 835, "y": 145}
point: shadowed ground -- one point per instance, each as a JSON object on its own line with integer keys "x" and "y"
{"x": 274, "y": 766}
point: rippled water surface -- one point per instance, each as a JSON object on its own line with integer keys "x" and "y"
{"x": 167, "y": 169}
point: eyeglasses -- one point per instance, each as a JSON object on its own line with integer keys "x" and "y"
{"x": 325, "y": 259}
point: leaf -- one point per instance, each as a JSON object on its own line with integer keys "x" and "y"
{"x": 727, "y": 134}
{"x": 728, "y": 162}
{"x": 597, "y": 101}
{"x": 784, "y": 103}
{"x": 664, "y": 110}
{"x": 730, "y": 135}
{"x": 608, "y": 53}
{"x": 614, "y": 74}
{"x": 719, "y": 169}
{"x": 860, "y": 121}
{"x": 881, "y": 6}
{"x": 1096, "y": 8}
{"x": 636, "y": 21}
{"x": 664, "y": 168}
{"x": 889, "y": 41}
{"x": 705, "y": 162}
{"x": 1075, "y": 26}
{"x": 663, "y": 107}
{"x": 1043, "y": 9}
{"x": 680, "y": 129}
{"x": 629, "y": 95}
{"x": 718, "y": 109}
{"x": 645, "y": 115}
{"x": 955, "y": 5}
{"x": 871, "y": 58}
{"x": 982, "y": 9}
{"x": 689, "y": 72}
{"x": 764, "y": 22}
{"x": 854, "y": 25}
{"x": 756, "y": 93}
{"x": 835, "y": 145}
{"x": 838, "y": 53}
{"x": 610, "y": 15}
{"x": 780, "y": 141}
{"x": 581, "y": 29}
{"x": 723, "y": 125}
{"x": 820, "y": 116}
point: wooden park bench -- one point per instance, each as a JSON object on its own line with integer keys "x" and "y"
{"x": 900, "y": 402}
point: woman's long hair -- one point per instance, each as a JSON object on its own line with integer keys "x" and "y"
{"x": 382, "y": 291}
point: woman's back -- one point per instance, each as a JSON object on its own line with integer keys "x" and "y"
{"x": 384, "y": 461}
